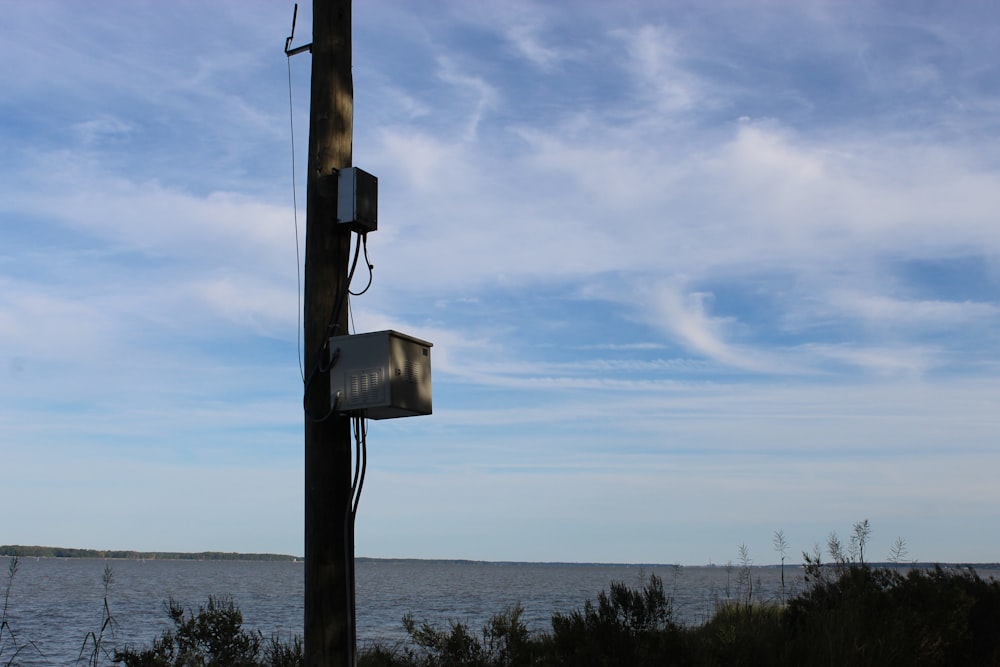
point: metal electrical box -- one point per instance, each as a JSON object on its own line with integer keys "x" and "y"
{"x": 381, "y": 375}
{"x": 357, "y": 200}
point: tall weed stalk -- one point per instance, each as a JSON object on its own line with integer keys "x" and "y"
{"x": 8, "y": 640}
{"x": 95, "y": 649}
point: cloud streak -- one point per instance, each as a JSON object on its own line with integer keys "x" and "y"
{"x": 740, "y": 261}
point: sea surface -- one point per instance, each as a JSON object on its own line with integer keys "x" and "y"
{"x": 56, "y": 603}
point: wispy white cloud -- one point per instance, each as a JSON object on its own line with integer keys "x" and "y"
{"x": 906, "y": 360}
{"x": 102, "y": 128}
{"x": 684, "y": 316}
{"x": 928, "y": 314}
{"x": 529, "y": 41}
{"x": 661, "y": 77}
{"x": 156, "y": 219}
{"x": 484, "y": 94}
{"x": 654, "y": 251}
{"x": 45, "y": 324}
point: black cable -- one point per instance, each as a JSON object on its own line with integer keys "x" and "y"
{"x": 295, "y": 210}
{"x": 308, "y": 383}
{"x": 331, "y": 326}
{"x": 361, "y": 443}
{"x": 355, "y": 426}
{"x": 371, "y": 266}
{"x": 316, "y": 420}
{"x": 334, "y": 322}
{"x": 351, "y": 600}
{"x": 360, "y": 428}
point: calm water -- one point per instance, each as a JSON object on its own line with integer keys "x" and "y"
{"x": 56, "y": 602}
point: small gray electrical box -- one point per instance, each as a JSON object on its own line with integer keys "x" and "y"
{"x": 357, "y": 200}
{"x": 380, "y": 375}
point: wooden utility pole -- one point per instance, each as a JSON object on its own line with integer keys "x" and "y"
{"x": 329, "y": 529}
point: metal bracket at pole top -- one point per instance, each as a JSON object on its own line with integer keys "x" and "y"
{"x": 288, "y": 42}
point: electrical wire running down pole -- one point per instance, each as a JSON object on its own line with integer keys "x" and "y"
{"x": 330, "y": 636}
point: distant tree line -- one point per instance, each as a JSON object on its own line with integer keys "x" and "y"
{"x": 65, "y": 552}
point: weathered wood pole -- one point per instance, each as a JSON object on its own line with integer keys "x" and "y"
{"x": 329, "y": 533}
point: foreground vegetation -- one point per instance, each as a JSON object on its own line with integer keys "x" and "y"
{"x": 858, "y": 615}
{"x": 851, "y": 613}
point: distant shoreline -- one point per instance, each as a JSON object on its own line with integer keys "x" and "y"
{"x": 9, "y": 550}
{"x": 121, "y": 554}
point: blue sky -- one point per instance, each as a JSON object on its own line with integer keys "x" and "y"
{"x": 694, "y": 273}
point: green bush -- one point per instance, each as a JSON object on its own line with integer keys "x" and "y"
{"x": 626, "y": 627}
{"x": 212, "y": 637}
{"x": 505, "y": 642}
{"x": 739, "y": 634}
{"x": 853, "y": 614}
{"x": 878, "y": 616}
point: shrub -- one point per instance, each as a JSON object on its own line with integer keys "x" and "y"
{"x": 505, "y": 642}
{"x": 212, "y": 637}
{"x": 625, "y": 627}
{"x": 877, "y": 616}
{"x": 739, "y": 634}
